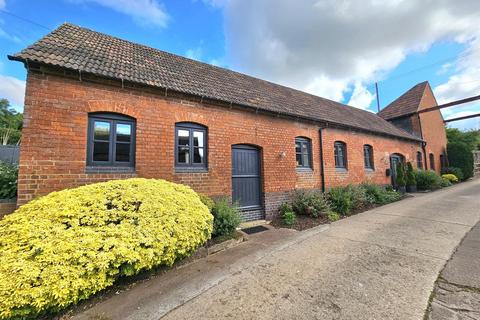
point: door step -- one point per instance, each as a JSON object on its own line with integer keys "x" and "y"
{"x": 255, "y": 229}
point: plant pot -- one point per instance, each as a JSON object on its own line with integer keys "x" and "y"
{"x": 412, "y": 188}
{"x": 401, "y": 189}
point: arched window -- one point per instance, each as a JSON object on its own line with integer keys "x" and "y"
{"x": 432, "y": 161}
{"x": 419, "y": 160}
{"x": 303, "y": 152}
{"x": 368, "y": 156}
{"x": 340, "y": 154}
{"x": 111, "y": 140}
{"x": 190, "y": 145}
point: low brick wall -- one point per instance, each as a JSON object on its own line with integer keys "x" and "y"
{"x": 7, "y": 207}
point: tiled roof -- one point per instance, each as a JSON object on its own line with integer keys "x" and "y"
{"x": 406, "y": 104}
{"x": 99, "y": 54}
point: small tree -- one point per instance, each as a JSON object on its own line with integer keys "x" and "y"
{"x": 401, "y": 175}
{"x": 10, "y": 124}
{"x": 460, "y": 156}
{"x": 411, "y": 179}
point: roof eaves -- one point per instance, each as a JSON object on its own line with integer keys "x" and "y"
{"x": 407, "y": 136}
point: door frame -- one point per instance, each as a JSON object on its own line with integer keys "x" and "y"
{"x": 393, "y": 169}
{"x": 259, "y": 150}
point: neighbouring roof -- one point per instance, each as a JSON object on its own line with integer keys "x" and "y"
{"x": 406, "y": 104}
{"x": 77, "y": 48}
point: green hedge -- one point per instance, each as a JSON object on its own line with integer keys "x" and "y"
{"x": 428, "y": 180}
{"x": 460, "y": 156}
{"x": 344, "y": 200}
{"x": 8, "y": 180}
{"x": 226, "y": 218}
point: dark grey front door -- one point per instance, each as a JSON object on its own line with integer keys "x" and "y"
{"x": 246, "y": 188}
{"x": 394, "y": 160}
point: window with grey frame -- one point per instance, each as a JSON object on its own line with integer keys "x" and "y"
{"x": 419, "y": 160}
{"x": 190, "y": 145}
{"x": 368, "y": 157}
{"x": 432, "y": 161}
{"x": 111, "y": 140}
{"x": 303, "y": 152}
{"x": 340, "y": 154}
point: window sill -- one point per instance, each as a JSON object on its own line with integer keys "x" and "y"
{"x": 341, "y": 170}
{"x": 369, "y": 170}
{"x": 91, "y": 169}
{"x": 191, "y": 170}
{"x": 304, "y": 169}
{"x": 250, "y": 208}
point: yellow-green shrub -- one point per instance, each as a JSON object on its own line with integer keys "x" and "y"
{"x": 207, "y": 201}
{"x": 66, "y": 246}
{"x": 450, "y": 177}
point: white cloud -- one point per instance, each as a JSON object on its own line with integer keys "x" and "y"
{"x": 216, "y": 62}
{"x": 468, "y": 124}
{"x": 361, "y": 97}
{"x": 12, "y": 89}
{"x": 465, "y": 82}
{"x": 327, "y": 88}
{"x": 148, "y": 12}
{"x": 328, "y": 47}
{"x": 194, "y": 53}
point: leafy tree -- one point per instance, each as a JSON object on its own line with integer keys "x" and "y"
{"x": 470, "y": 138}
{"x": 10, "y": 123}
{"x": 460, "y": 155}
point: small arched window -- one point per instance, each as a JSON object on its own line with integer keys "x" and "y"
{"x": 432, "y": 161}
{"x": 111, "y": 140}
{"x": 419, "y": 160}
{"x": 303, "y": 152}
{"x": 443, "y": 162}
{"x": 190, "y": 145}
{"x": 340, "y": 153}
{"x": 368, "y": 156}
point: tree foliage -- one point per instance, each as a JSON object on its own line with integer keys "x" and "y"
{"x": 10, "y": 123}
{"x": 460, "y": 155}
{"x": 470, "y": 138}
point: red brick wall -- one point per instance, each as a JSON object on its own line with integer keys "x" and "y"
{"x": 7, "y": 208}
{"x": 53, "y": 150}
{"x": 433, "y": 129}
{"x": 382, "y": 149}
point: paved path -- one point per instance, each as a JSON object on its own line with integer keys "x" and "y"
{"x": 380, "y": 264}
{"x": 457, "y": 292}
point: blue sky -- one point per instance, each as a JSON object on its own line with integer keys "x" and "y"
{"x": 324, "y": 47}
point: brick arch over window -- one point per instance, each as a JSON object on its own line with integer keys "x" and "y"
{"x": 191, "y": 146}
{"x": 340, "y": 154}
{"x": 110, "y": 106}
{"x": 111, "y": 140}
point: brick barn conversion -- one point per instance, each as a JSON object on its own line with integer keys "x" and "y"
{"x": 100, "y": 108}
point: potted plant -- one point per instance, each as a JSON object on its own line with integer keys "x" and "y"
{"x": 411, "y": 179}
{"x": 400, "y": 179}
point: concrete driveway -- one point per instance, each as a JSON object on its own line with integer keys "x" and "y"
{"x": 380, "y": 264}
